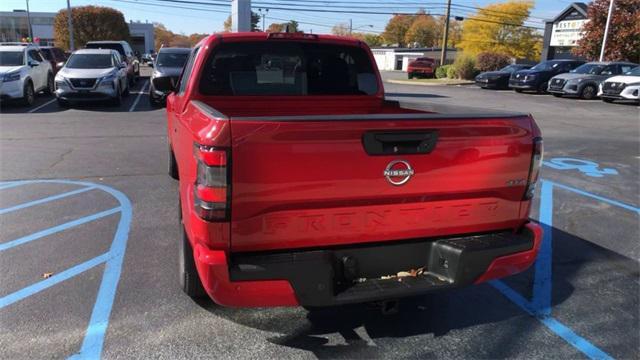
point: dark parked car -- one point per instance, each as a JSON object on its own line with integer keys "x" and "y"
{"x": 537, "y": 78}
{"x": 126, "y": 53}
{"x": 499, "y": 79}
{"x": 169, "y": 63}
{"x": 584, "y": 80}
{"x": 55, "y": 56}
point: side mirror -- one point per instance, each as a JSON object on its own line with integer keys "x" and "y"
{"x": 165, "y": 83}
{"x": 122, "y": 65}
{"x": 60, "y": 64}
{"x": 33, "y": 63}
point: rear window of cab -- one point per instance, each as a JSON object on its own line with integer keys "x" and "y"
{"x": 287, "y": 68}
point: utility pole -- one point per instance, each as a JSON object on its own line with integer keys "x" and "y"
{"x": 606, "y": 30}
{"x": 350, "y": 26}
{"x": 263, "y": 15}
{"x": 29, "y": 22}
{"x": 445, "y": 37}
{"x": 70, "y": 24}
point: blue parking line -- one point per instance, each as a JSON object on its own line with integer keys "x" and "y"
{"x": 53, "y": 280}
{"x": 540, "y": 304}
{"x": 597, "y": 197}
{"x": 8, "y": 185}
{"x": 58, "y": 228}
{"x": 44, "y": 200}
{"x": 94, "y": 338}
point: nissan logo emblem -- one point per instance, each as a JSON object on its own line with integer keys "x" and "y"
{"x": 398, "y": 172}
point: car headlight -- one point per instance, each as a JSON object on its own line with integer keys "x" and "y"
{"x": 14, "y": 76}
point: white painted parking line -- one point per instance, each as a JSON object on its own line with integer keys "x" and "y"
{"x": 135, "y": 103}
{"x": 41, "y": 106}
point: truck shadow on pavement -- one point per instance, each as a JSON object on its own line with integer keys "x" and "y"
{"x": 465, "y": 311}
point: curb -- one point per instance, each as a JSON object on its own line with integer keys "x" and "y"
{"x": 408, "y": 82}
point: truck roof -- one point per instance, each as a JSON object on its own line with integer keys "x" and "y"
{"x": 264, "y": 36}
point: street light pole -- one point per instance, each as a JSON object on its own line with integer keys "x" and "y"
{"x": 70, "y": 24}
{"x": 29, "y": 22}
{"x": 263, "y": 15}
{"x": 606, "y": 30}
{"x": 445, "y": 37}
{"x": 350, "y": 26}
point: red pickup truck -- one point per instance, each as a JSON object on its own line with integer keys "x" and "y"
{"x": 300, "y": 184}
{"x": 421, "y": 67}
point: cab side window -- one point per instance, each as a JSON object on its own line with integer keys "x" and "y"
{"x": 625, "y": 68}
{"x": 34, "y": 55}
{"x": 610, "y": 70}
{"x": 184, "y": 78}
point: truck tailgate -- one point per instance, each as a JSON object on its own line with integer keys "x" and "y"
{"x": 320, "y": 181}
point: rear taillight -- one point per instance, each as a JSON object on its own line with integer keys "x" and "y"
{"x": 534, "y": 170}
{"x": 211, "y": 190}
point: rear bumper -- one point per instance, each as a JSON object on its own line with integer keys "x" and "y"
{"x": 342, "y": 275}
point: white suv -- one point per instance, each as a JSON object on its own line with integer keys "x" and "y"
{"x": 23, "y": 73}
{"x": 622, "y": 87}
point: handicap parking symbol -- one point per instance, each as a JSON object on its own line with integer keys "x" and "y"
{"x": 587, "y": 167}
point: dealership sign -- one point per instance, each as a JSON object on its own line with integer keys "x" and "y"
{"x": 567, "y": 32}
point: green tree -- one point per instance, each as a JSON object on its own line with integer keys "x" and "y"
{"x": 340, "y": 29}
{"x": 372, "y": 39}
{"x": 422, "y": 31}
{"x": 89, "y": 23}
{"x": 255, "y": 20}
{"x": 396, "y": 29}
{"x": 623, "y": 42}
{"x": 499, "y": 28}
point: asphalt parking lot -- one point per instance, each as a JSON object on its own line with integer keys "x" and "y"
{"x": 88, "y": 248}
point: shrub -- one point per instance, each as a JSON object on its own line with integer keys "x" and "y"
{"x": 451, "y": 72}
{"x": 465, "y": 67}
{"x": 441, "y": 71}
{"x": 490, "y": 61}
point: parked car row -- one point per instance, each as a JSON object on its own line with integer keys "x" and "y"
{"x": 615, "y": 80}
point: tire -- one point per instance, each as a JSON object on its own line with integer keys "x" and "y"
{"x": 557, "y": 95}
{"x": 589, "y": 92}
{"x": 173, "y": 165}
{"x": 64, "y": 104}
{"x": 51, "y": 86}
{"x": 188, "y": 274}
{"x": 117, "y": 100}
{"x": 126, "y": 91}
{"x": 607, "y": 100}
{"x": 28, "y": 94}
{"x": 542, "y": 89}
{"x": 518, "y": 90}
{"x": 131, "y": 80}
{"x": 410, "y": 76}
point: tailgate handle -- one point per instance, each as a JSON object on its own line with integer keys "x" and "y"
{"x": 399, "y": 142}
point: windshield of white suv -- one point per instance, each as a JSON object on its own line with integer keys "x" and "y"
{"x": 89, "y": 61}
{"x": 593, "y": 69}
{"x": 11, "y": 58}
{"x": 634, "y": 72}
{"x": 172, "y": 60}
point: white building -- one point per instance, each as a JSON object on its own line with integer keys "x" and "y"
{"x": 14, "y": 27}
{"x": 399, "y": 58}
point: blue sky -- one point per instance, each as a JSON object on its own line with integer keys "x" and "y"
{"x": 188, "y": 21}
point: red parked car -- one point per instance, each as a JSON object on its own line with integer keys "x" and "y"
{"x": 299, "y": 184}
{"x": 421, "y": 67}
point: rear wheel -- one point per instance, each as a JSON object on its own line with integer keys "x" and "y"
{"x": 518, "y": 90}
{"x": 51, "y": 87}
{"x": 542, "y": 89}
{"x": 588, "y": 92}
{"x": 28, "y": 95}
{"x": 189, "y": 279}
{"x": 607, "y": 100}
{"x": 127, "y": 91}
{"x": 117, "y": 100}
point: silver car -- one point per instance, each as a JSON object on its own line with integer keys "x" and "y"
{"x": 92, "y": 75}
